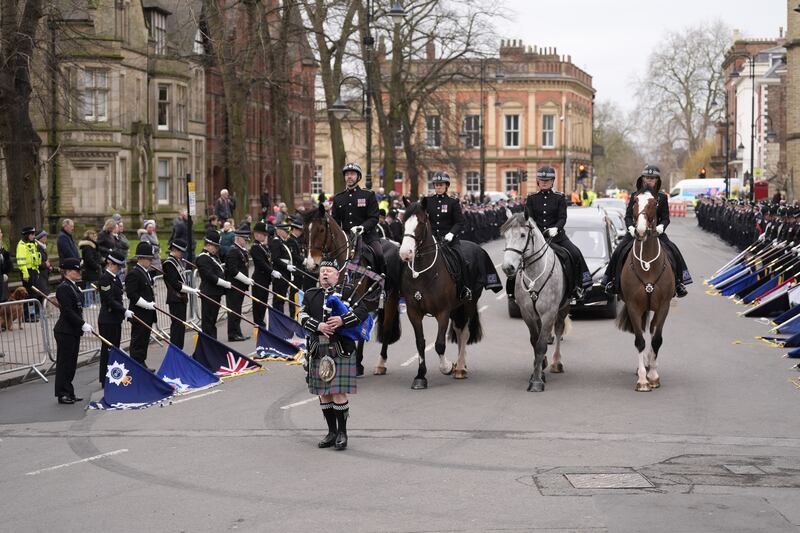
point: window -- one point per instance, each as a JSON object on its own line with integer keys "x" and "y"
{"x": 472, "y": 127}
{"x": 95, "y": 95}
{"x": 180, "y": 109}
{"x": 199, "y": 162}
{"x": 316, "y": 181}
{"x": 473, "y": 182}
{"x": 398, "y": 137}
{"x": 512, "y": 181}
{"x": 198, "y": 107}
{"x": 199, "y": 47}
{"x": 119, "y": 200}
{"x": 548, "y": 131}
{"x": 433, "y": 131}
{"x": 163, "y": 107}
{"x": 512, "y": 131}
{"x": 180, "y": 180}
{"x": 429, "y": 181}
{"x": 158, "y": 31}
{"x": 164, "y": 181}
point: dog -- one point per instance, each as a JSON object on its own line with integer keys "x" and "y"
{"x": 11, "y": 313}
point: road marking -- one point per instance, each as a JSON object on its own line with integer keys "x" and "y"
{"x": 198, "y": 396}
{"x": 88, "y": 459}
{"x": 415, "y": 357}
{"x": 303, "y": 402}
{"x": 484, "y": 308}
{"x": 500, "y": 296}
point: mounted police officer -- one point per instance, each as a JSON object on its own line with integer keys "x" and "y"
{"x": 356, "y": 211}
{"x": 447, "y": 222}
{"x": 325, "y": 343}
{"x": 548, "y": 209}
{"x": 237, "y": 270}
{"x": 212, "y": 282}
{"x": 651, "y": 178}
{"x": 177, "y": 290}
{"x": 142, "y": 301}
{"x": 262, "y": 272}
{"x": 112, "y": 307}
{"x": 68, "y": 330}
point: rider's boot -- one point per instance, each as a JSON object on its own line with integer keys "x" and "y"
{"x": 680, "y": 290}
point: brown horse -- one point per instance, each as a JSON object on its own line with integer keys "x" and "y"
{"x": 648, "y": 284}
{"x": 324, "y": 238}
{"x": 429, "y": 289}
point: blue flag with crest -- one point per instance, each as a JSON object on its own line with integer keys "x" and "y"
{"x": 129, "y": 385}
{"x": 286, "y": 328}
{"x": 184, "y": 373}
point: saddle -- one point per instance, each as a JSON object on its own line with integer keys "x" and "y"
{"x": 625, "y": 251}
{"x": 362, "y": 252}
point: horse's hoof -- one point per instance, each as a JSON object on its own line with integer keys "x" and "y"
{"x": 448, "y": 371}
{"x": 643, "y": 387}
{"x": 557, "y": 368}
{"x": 419, "y": 384}
{"x": 551, "y": 339}
{"x": 536, "y": 386}
{"x": 460, "y": 374}
{"x": 379, "y": 371}
{"x": 654, "y": 383}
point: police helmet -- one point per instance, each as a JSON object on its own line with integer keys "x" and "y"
{"x": 441, "y": 177}
{"x": 355, "y": 167}
{"x": 546, "y": 173}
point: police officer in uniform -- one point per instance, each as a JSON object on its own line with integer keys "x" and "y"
{"x": 212, "y": 282}
{"x": 29, "y": 259}
{"x": 262, "y": 272}
{"x": 112, "y": 308}
{"x": 548, "y": 209}
{"x": 281, "y": 263}
{"x": 68, "y": 330}
{"x": 356, "y": 211}
{"x": 142, "y": 301}
{"x": 237, "y": 270}
{"x": 322, "y": 331}
{"x": 177, "y": 290}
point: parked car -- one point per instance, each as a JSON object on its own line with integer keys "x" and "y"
{"x": 615, "y": 203}
{"x": 617, "y": 218}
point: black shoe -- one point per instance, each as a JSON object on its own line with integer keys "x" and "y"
{"x": 341, "y": 440}
{"x": 328, "y": 441}
{"x": 237, "y": 338}
{"x": 680, "y": 290}
{"x": 76, "y": 399}
{"x": 66, "y": 400}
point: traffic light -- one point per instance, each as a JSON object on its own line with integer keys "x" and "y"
{"x": 582, "y": 172}
{"x": 701, "y": 173}
{"x": 523, "y": 174}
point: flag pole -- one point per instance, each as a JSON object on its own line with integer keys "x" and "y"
{"x": 228, "y": 309}
{"x": 105, "y": 341}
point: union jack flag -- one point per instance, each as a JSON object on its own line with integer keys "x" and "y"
{"x": 221, "y": 360}
{"x": 236, "y": 365}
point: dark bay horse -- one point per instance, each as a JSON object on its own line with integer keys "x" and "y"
{"x": 648, "y": 284}
{"x": 429, "y": 289}
{"x": 324, "y": 237}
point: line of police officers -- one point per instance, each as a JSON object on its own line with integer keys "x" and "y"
{"x": 741, "y": 223}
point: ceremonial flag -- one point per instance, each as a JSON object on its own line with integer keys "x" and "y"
{"x": 787, "y": 316}
{"x": 286, "y": 328}
{"x": 129, "y": 385}
{"x": 272, "y": 347}
{"x": 727, "y": 274}
{"x": 757, "y": 293}
{"x": 739, "y": 285}
{"x": 222, "y": 360}
{"x": 184, "y": 373}
{"x": 794, "y": 354}
{"x": 773, "y": 305}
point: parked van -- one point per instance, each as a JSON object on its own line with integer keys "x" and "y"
{"x": 689, "y": 189}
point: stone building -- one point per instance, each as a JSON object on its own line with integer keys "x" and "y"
{"x": 792, "y": 45}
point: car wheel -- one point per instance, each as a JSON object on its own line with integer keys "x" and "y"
{"x": 610, "y": 310}
{"x": 513, "y": 309}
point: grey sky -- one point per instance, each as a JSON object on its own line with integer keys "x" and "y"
{"x": 612, "y": 39}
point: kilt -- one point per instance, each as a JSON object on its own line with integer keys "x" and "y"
{"x": 343, "y": 382}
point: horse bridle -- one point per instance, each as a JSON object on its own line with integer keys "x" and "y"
{"x": 420, "y": 250}
{"x": 329, "y": 237}
{"x": 526, "y": 262}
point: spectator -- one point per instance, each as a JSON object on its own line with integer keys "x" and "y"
{"x": 92, "y": 265}
{"x": 213, "y": 223}
{"x": 5, "y": 268}
{"x": 123, "y": 245}
{"x": 226, "y": 238}
{"x": 106, "y": 241}
{"x": 180, "y": 231}
{"x": 246, "y": 222}
{"x": 65, "y": 242}
{"x": 225, "y": 205}
{"x": 148, "y": 235}
{"x": 281, "y": 214}
{"x": 43, "y": 283}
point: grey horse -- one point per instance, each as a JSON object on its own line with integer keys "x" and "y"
{"x": 539, "y": 291}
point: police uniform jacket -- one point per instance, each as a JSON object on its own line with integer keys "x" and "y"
{"x": 662, "y": 210}
{"x": 311, "y": 316}
{"x": 139, "y": 284}
{"x": 112, "y": 308}
{"x": 548, "y": 208}
{"x": 357, "y": 207}
{"x": 445, "y": 215}
{"x": 70, "y": 318}
{"x": 173, "y": 279}
{"x": 296, "y": 246}
{"x": 280, "y": 251}
{"x": 211, "y": 270}
{"x": 262, "y": 263}
{"x": 237, "y": 260}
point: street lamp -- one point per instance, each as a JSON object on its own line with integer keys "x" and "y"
{"x": 499, "y": 77}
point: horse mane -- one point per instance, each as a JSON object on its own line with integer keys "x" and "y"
{"x": 517, "y": 219}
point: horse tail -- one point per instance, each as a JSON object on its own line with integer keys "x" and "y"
{"x": 389, "y": 334}
{"x": 475, "y": 328}
{"x": 623, "y": 320}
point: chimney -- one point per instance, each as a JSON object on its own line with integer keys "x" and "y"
{"x": 737, "y": 35}
{"x": 430, "y": 50}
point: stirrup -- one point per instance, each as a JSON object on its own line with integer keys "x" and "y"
{"x": 465, "y": 294}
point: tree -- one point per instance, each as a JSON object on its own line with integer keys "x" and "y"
{"x": 700, "y": 158}
{"x": 622, "y": 160}
{"x": 684, "y": 81}
{"x": 19, "y": 22}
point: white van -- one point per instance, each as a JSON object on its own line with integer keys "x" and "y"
{"x": 689, "y": 189}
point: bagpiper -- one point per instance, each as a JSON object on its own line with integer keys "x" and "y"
{"x": 212, "y": 282}
{"x": 178, "y": 290}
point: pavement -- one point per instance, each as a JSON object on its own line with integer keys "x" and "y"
{"x": 716, "y": 448}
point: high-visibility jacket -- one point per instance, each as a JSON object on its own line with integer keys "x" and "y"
{"x": 588, "y": 197}
{"x": 29, "y": 259}
{"x": 575, "y": 198}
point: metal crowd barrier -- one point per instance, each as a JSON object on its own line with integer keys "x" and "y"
{"x": 23, "y": 344}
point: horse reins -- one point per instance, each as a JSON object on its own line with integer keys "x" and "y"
{"x": 526, "y": 262}
{"x": 420, "y": 250}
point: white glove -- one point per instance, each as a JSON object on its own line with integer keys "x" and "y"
{"x": 762, "y": 236}
{"x": 86, "y": 327}
{"x": 243, "y": 279}
{"x": 5, "y": 278}
{"x": 144, "y": 304}
{"x": 223, "y": 283}
{"x": 632, "y": 231}
{"x": 448, "y": 237}
{"x": 552, "y": 232}
{"x": 291, "y": 268}
{"x": 188, "y": 289}
{"x": 128, "y": 314}
{"x": 276, "y": 274}
{"x": 660, "y": 229}
{"x": 357, "y": 229}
